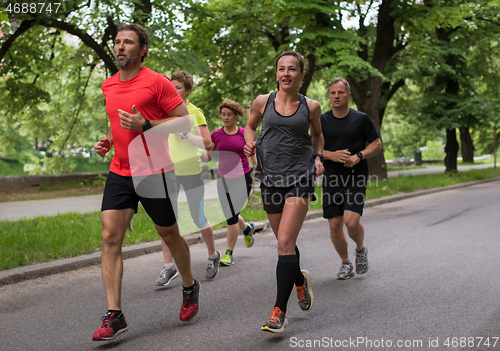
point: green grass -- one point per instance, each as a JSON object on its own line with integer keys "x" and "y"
{"x": 48, "y": 238}
{"x": 84, "y": 167}
{"x": 11, "y": 167}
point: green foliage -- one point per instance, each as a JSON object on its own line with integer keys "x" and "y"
{"x": 5, "y": 26}
{"x": 225, "y": 34}
{"x": 434, "y": 150}
{"x": 51, "y": 75}
{"x": 9, "y": 167}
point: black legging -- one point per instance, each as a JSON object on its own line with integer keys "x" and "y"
{"x": 230, "y": 198}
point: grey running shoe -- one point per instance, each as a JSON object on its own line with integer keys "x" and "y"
{"x": 346, "y": 271}
{"x": 362, "y": 261}
{"x": 166, "y": 276}
{"x": 213, "y": 266}
{"x": 305, "y": 293}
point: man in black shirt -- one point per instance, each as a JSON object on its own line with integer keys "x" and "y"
{"x": 346, "y": 133}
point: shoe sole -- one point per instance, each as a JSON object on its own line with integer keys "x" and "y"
{"x": 112, "y": 337}
{"x": 168, "y": 282}
{"x": 276, "y": 331}
{"x": 345, "y": 278}
{"x": 308, "y": 281}
{"x": 360, "y": 273}
{"x": 215, "y": 275}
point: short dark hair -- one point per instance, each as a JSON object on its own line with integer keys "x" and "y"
{"x": 234, "y": 106}
{"x": 141, "y": 32}
{"x": 185, "y": 78}
{"x": 341, "y": 80}
{"x": 294, "y": 54}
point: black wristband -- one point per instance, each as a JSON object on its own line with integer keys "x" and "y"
{"x": 360, "y": 155}
{"x": 146, "y": 125}
{"x": 320, "y": 156}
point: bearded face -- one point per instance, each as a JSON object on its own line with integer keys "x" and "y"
{"x": 127, "y": 49}
{"x": 124, "y": 59}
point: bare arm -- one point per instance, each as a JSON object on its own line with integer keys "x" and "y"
{"x": 316, "y": 134}
{"x": 337, "y": 156}
{"x": 177, "y": 122}
{"x": 211, "y": 150}
{"x": 371, "y": 150}
{"x": 258, "y": 107}
{"x": 202, "y": 140}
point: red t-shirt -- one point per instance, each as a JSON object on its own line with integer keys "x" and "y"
{"x": 154, "y": 96}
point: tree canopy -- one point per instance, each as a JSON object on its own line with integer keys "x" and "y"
{"x": 423, "y": 57}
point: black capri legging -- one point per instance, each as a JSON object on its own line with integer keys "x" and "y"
{"x": 231, "y": 196}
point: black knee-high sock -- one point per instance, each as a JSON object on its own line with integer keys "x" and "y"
{"x": 286, "y": 271}
{"x": 299, "y": 278}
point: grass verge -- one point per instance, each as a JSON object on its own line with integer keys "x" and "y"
{"x": 48, "y": 238}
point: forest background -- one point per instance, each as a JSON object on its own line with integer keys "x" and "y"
{"x": 425, "y": 71}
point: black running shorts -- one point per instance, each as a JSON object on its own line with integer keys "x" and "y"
{"x": 274, "y": 198}
{"x": 157, "y": 194}
{"x": 340, "y": 199}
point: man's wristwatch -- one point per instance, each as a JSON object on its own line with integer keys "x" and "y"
{"x": 360, "y": 155}
{"x": 184, "y": 136}
{"x": 146, "y": 125}
{"x": 320, "y": 156}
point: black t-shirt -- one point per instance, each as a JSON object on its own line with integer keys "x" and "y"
{"x": 351, "y": 132}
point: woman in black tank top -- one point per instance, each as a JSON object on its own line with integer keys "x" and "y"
{"x": 288, "y": 159}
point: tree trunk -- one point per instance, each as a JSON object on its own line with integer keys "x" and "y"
{"x": 451, "y": 150}
{"x": 467, "y": 145}
{"x": 367, "y": 98}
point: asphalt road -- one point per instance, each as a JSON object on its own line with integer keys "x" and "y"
{"x": 434, "y": 274}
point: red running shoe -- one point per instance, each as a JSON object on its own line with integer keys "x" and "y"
{"x": 112, "y": 326}
{"x": 189, "y": 306}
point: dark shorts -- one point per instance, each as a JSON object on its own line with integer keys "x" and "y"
{"x": 157, "y": 194}
{"x": 231, "y": 196}
{"x": 274, "y": 198}
{"x": 339, "y": 199}
{"x": 194, "y": 188}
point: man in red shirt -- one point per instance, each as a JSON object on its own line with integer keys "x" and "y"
{"x": 138, "y": 100}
